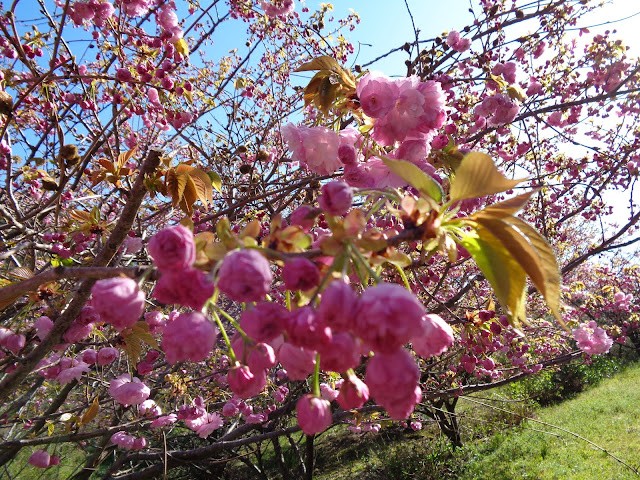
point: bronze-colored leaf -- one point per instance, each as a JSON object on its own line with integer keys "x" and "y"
{"x": 91, "y": 412}
{"x": 325, "y": 62}
{"x": 21, "y": 273}
{"x": 123, "y": 158}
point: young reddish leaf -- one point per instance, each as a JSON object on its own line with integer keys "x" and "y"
{"x": 478, "y": 176}
{"x": 123, "y": 158}
{"x": 415, "y": 177}
{"x": 107, "y": 165}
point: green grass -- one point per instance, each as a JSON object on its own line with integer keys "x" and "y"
{"x": 608, "y": 415}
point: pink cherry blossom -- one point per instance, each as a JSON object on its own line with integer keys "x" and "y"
{"x": 298, "y": 362}
{"x": 338, "y": 306}
{"x": 314, "y": 414}
{"x": 274, "y": 8}
{"x": 107, "y": 355}
{"x": 592, "y": 339}
{"x": 435, "y": 338}
{"x": 71, "y": 369}
{"x": 173, "y": 248}
{"x": 340, "y": 354}
{"x": 304, "y": 329}
{"x": 388, "y": 316}
{"x": 335, "y": 197}
{"x": 392, "y": 379}
{"x": 300, "y": 274}
{"x": 164, "y": 421}
{"x": 245, "y": 276}
{"x": 43, "y": 326}
{"x": 189, "y": 287}
{"x": 126, "y": 391}
{"x": 377, "y": 94}
{"x": 353, "y": 393}
{"x": 124, "y": 293}
{"x": 190, "y": 336}
{"x": 40, "y": 459}
{"x": 316, "y": 148}
{"x": 458, "y": 43}
{"x": 245, "y": 383}
{"x": 264, "y": 322}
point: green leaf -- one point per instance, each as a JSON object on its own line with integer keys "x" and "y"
{"x": 216, "y": 181}
{"x": 504, "y": 273}
{"x": 138, "y": 336}
{"x": 478, "y": 176}
{"x": 510, "y": 206}
{"x": 415, "y": 177}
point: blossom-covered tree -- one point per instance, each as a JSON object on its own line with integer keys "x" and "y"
{"x": 203, "y": 255}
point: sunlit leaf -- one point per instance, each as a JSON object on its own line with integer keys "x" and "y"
{"x": 21, "y": 273}
{"x": 324, "y": 62}
{"x": 415, "y": 177}
{"x": 182, "y": 47}
{"x": 216, "y": 181}
{"x": 123, "y": 158}
{"x": 175, "y": 185}
{"x": 510, "y": 206}
{"x": 478, "y": 176}
{"x": 504, "y": 273}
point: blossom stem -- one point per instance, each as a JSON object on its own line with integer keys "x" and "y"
{"x": 232, "y": 355}
{"x": 316, "y": 377}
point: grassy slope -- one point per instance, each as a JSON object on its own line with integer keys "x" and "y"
{"x": 608, "y": 415}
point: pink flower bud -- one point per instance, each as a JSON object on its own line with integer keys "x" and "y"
{"x": 173, "y": 248}
{"x": 314, "y": 414}
{"x": 123, "y": 293}
{"x": 89, "y": 356}
{"x": 354, "y": 393}
{"x": 245, "y": 276}
{"x": 336, "y": 198}
{"x": 191, "y": 336}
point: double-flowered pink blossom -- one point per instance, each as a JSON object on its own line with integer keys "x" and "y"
{"x": 434, "y": 339}
{"x": 300, "y": 274}
{"x": 188, "y": 287}
{"x": 274, "y": 8}
{"x": 498, "y": 109}
{"x": 190, "y": 336}
{"x": 338, "y": 306}
{"x": 305, "y": 329}
{"x": 388, "y": 316}
{"x": 173, "y": 248}
{"x": 392, "y": 379}
{"x": 314, "y": 414}
{"x": 71, "y": 369}
{"x": 315, "y": 147}
{"x": 128, "y": 442}
{"x": 206, "y": 424}
{"x": 299, "y": 362}
{"x": 126, "y": 391}
{"x": 335, "y": 197}
{"x": 107, "y": 355}
{"x": 245, "y": 383}
{"x": 340, "y": 354}
{"x": 403, "y": 108}
{"x": 245, "y": 276}
{"x": 264, "y": 322}
{"x": 592, "y": 339}
{"x": 118, "y": 301}
{"x": 457, "y": 42}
